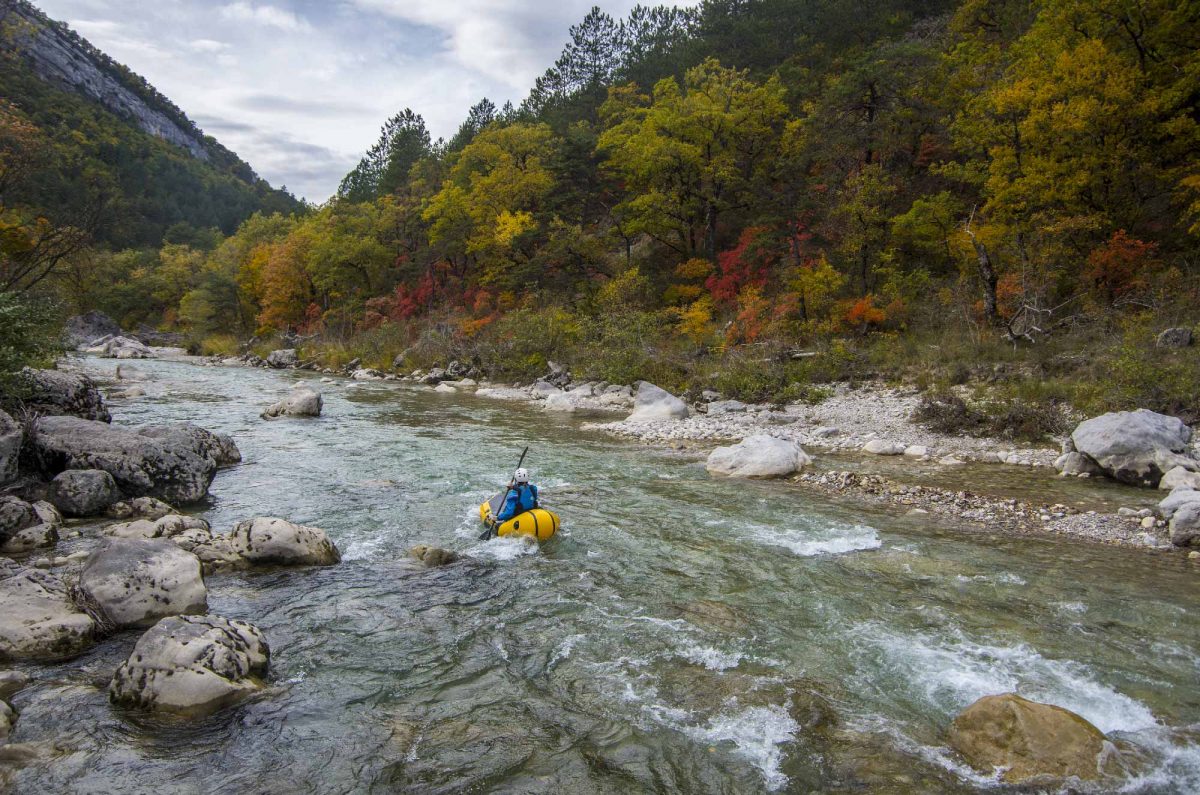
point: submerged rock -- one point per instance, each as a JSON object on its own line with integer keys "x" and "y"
{"x": 135, "y": 583}
{"x": 1135, "y": 447}
{"x": 192, "y": 665}
{"x": 433, "y": 556}
{"x": 39, "y": 620}
{"x": 758, "y": 456}
{"x": 54, "y": 393}
{"x": 1026, "y": 739}
{"x": 652, "y": 403}
{"x": 302, "y": 402}
{"x": 173, "y": 463}
{"x": 83, "y": 492}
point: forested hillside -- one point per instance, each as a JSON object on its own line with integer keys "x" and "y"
{"x": 97, "y": 148}
{"x": 938, "y": 191}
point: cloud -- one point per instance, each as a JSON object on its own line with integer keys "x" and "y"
{"x": 207, "y": 45}
{"x": 267, "y": 15}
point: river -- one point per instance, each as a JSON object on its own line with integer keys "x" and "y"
{"x": 683, "y": 634}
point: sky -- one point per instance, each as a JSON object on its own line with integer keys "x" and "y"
{"x": 300, "y": 88}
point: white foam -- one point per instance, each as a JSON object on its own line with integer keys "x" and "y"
{"x": 712, "y": 659}
{"x": 758, "y": 733}
{"x": 505, "y": 548}
{"x": 564, "y": 650}
{"x": 364, "y": 548}
{"x": 809, "y": 543}
{"x": 952, "y": 671}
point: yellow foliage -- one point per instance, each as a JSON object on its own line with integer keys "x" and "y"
{"x": 510, "y": 225}
{"x": 695, "y": 321}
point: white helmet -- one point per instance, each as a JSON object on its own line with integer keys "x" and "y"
{"x": 521, "y": 476}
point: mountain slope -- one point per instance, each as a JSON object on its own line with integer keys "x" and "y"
{"x": 116, "y": 145}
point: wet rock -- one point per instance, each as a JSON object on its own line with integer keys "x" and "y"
{"x": 759, "y": 456}
{"x": 139, "y": 508}
{"x": 172, "y": 463}
{"x": 1026, "y": 739}
{"x": 433, "y": 556}
{"x": 39, "y": 536}
{"x": 1174, "y": 338}
{"x": 83, "y": 492}
{"x": 1185, "y": 525}
{"x": 285, "y": 357}
{"x": 39, "y": 620}
{"x": 302, "y": 402}
{"x": 192, "y": 665}
{"x": 15, "y": 514}
{"x": 1135, "y": 447}
{"x": 1178, "y": 476}
{"x": 368, "y": 374}
{"x": 445, "y": 389}
{"x": 135, "y": 583}
{"x": 652, "y": 403}
{"x": 11, "y": 683}
{"x": 53, "y": 392}
{"x": 269, "y": 541}
{"x": 11, "y": 436}
{"x": 83, "y": 331}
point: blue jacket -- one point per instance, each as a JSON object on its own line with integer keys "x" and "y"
{"x": 518, "y": 500}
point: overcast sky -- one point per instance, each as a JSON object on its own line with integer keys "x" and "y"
{"x": 299, "y": 88}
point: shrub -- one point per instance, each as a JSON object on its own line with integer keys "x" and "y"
{"x": 29, "y": 337}
{"x": 219, "y": 345}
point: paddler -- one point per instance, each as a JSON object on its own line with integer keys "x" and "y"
{"x": 523, "y": 496}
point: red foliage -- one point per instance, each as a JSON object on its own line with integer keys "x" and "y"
{"x": 314, "y": 320}
{"x": 744, "y": 265}
{"x": 1119, "y": 266}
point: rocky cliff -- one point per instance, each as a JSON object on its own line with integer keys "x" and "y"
{"x": 58, "y": 55}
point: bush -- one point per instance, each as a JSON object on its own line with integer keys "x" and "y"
{"x": 219, "y": 345}
{"x": 29, "y": 337}
{"x": 949, "y": 414}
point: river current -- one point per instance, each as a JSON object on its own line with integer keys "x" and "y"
{"x": 683, "y": 634}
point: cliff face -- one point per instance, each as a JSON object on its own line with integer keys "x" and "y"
{"x": 57, "y": 55}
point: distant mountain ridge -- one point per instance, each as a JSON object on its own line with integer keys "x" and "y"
{"x": 118, "y": 136}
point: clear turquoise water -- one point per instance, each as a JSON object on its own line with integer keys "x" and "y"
{"x": 657, "y": 645}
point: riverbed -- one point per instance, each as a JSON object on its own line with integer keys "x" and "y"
{"x": 682, "y": 634}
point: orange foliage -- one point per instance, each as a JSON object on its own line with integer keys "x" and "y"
{"x": 1120, "y": 266}
{"x": 864, "y": 314}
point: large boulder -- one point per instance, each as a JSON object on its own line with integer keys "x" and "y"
{"x": 652, "y": 403}
{"x": 1026, "y": 739}
{"x": 758, "y": 456}
{"x": 1185, "y": 525}
{"x": 15, "y": 514}
{"x": 172, "y": 463}
{"x": 11, "y": 436}
{"x": 192, "y": 665}
{"x": 83, "y": 331}
{"x": 302, "y": 402}
{"x": 1176, "y": 500}
{"x": 280, "y": 359}
{"x": 39, "y": 620}
{"x": 53, "y": 392}
{"x": 1136, "y": 447}
{"x": 135, "y": 583}
{"x": 139, "y": 508}
{"x": 124, "y": 348}
{"x": 220, "y": 447}
{"x": 269, "y": 541}
{"x": 83, "y": 492}
{"x": 25, "y": 526}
